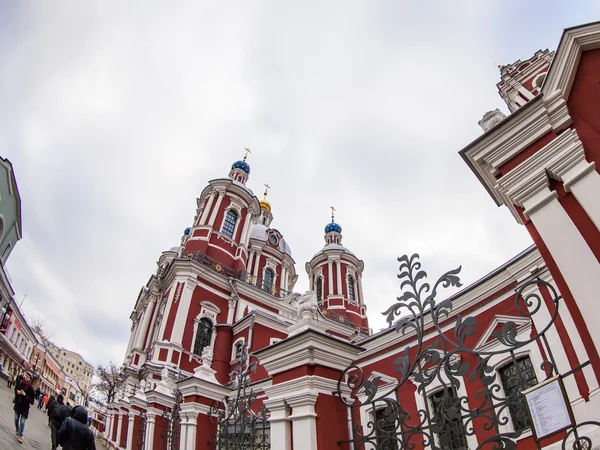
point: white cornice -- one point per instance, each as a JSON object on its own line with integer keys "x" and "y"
{"x": 307, "y": 348}
{"x": 564, "y": 65}
{"x": 196, "y": 386}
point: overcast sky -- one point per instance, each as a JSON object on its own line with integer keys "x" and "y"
{"x": 115, "y": 117}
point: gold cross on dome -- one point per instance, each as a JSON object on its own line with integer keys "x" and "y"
{"x": 247, "y": 151}
{"x": 267, "y": 187}
{"x": 332, "y": 212}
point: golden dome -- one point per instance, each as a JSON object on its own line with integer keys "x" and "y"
{"x": 265, "y": 204}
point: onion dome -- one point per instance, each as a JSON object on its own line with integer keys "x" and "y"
{"x": 187, "y": 231}
{"x": 333, "y": 227}
{"x": 242, "y": 165}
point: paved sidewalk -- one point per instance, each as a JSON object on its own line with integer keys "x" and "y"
{"x": 37, "y": 432}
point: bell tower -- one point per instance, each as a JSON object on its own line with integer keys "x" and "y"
{"x": 335, "y": 275}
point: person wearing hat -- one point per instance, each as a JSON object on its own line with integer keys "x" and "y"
{"x": 58, "y": 414}
{"x": 74, "y": 433}
{"x": 24, "y": 398}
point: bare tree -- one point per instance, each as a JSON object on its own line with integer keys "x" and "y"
{"x": 110, "y": 378}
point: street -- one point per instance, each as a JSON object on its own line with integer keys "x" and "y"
{"x": 37, "y": 432}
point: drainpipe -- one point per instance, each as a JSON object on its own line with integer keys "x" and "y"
{"x": 250, "y": 333}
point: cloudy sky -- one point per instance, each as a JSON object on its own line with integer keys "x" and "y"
{"x": 115, "y": 116}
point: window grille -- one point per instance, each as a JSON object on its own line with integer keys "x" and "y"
{"x": 230, "y": 221}
{"x": 351, "y": 293}
{"x": 385, "y": 431}
{"x": 203, "y": 336}
{"x": 515, "y": 379}
{"x": 239, "y": 348}
{"x": 319, "y": 289}
{"x": 268, "y": 281}
{"x": 447, "y": 414}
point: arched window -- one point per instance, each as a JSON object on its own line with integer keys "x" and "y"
{"x": 444, "y": 404}
{"x": 515, "y": 379}
{"x": 351, "y": 292}
{"x": 239, "y": 349}
{"x": 268, "y": 280}
{"x": 203, "y": 335}
{"x": 229, "y": 225}
{"x": 319, "y": 289}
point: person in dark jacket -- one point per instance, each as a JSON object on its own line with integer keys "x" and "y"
{"x": 58, "y": 414}
{"x": 49, "y": 406}
{"x": 74, "y": 433}
{"x": 23, "y": 400}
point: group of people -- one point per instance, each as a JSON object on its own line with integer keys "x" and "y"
{"x": 68, "y": 426}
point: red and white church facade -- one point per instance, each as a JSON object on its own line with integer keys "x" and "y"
{"x": 229, "y": 286}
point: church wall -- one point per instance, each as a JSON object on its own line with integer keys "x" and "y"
{"x": 222, "y": 352}
{"x": 332, "y": 422}
{"x": 171, "y": 314}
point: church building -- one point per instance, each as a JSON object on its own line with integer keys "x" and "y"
{"x": 467, "y": 370}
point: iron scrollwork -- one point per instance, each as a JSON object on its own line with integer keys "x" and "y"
{"x": 241, "y": 426}
{"x": 442, "y": 359}
{"x": 172, "y": 421}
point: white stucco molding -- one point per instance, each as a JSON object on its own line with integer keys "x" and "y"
{"x": 562, "y": 159}
{"x": 564, "y": 65}
{"x": 307, "y": 348}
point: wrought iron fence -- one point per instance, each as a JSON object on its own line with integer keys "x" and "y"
{"x": 440, "y": 358}
{"x": 142, "y": 432}
{"x": 240, "y": 425}
{"x": 172, "y": 422}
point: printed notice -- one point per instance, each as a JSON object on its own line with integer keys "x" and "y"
{"x": 548, "y": 409}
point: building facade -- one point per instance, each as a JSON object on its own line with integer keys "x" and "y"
{"x": 449, "y": 372}
{"x": 48, "y": 375}
{"x": 74, "y": 366}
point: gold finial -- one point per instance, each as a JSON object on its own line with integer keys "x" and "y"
{"x": 247, "y": 151}
{"x": 332, "y": 213}
{"x": 267, "y": 187}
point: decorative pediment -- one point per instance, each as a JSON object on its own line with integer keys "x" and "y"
{"x": 499, "y": 326}
{"x": 573, "y": 42}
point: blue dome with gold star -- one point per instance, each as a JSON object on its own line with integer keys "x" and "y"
{"x": 333, "y": 227}
{"x": 242, "y": 165}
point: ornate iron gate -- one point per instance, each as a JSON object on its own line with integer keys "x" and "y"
{"x": 238, "y": 426}
{"x": 439, "y": 358}
{"x": 173, "y": 424}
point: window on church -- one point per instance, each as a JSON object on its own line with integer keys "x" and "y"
{"x": 239, "y": 349}
{"x": 351, "y": 293}
{"x": 515, "y": 379}
{"x": 446, "y": 409}
{"x": 203, "y": 336}
{"x": 385, "y": 431}
{"x": 268, "y": 280}
{"x": 319, "y": 289}
{"x": 230, "y": 221}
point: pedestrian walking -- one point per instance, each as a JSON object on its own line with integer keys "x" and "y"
{"x": 74, "y": 433}
{"x": 11, "y": 377}
{"x": 23, "y": 400}
{"x": 41, "y": 400}
{"x": 37, "y": 393}
{"x": 58, "y": 413}
{"x": 49, "y": 405}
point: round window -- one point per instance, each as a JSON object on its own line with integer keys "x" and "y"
{"x": 273, "y": 239}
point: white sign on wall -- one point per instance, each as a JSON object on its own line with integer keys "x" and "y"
{"x": 548, "y": 408}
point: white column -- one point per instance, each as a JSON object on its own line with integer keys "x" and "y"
{"x": 304, "y": 421}
{"x": 109, "y": 425}
{"x": 330, "y": 278}
{"x": 143, "y": 327}
{"x": 189, "y": 423}
{"x": 360, "y": 291}
{"x": 183, "y": 310}
{"x": 283, "y": 277}
{"x": 130, "y": 431}
{"x": 152, "y": 325}
{"x": 244, "y": 236}
{"x": 584, "y": 182}
{"x": 231, "y": 311}
{"x": 213, "y": 215}
{"x": 541, "y": 319}
{"x": 256, "y": 263}
{"x": 570, "y": 251}
{"x": 168, "y": 303}
{"x": 149, "y": 438}
{"x": 119, "y": 428}
{"x": 211, "y": 199}
{"x": 250, "y": 261}
{"x": 281, "y": 430}
{"x": 339, "y": 277}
